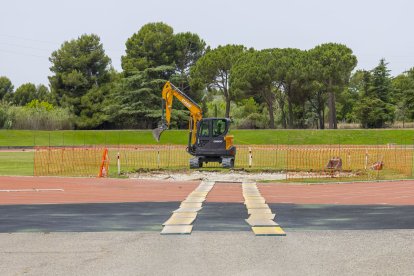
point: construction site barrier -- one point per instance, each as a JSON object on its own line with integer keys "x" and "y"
{"x": 307, "y": 161}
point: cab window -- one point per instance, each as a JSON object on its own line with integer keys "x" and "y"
{"x": 219, "y": 127}
{"x": 204, "y": 129}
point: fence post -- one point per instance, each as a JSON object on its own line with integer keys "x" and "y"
{"x": 412, "y": 159}
{"x": 48, "y": 159}
{"x": 158, "y": 158}
{"x": 34, "y": 155}
{"x": 118, "y": 164}
{"x": 250, "y": 157}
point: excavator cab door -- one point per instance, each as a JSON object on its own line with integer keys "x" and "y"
{"x": 203, "y": 133}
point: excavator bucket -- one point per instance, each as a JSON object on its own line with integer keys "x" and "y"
{"x": 157, "y": 133}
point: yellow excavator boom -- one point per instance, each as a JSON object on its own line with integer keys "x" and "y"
{"x": 169, "y": 91}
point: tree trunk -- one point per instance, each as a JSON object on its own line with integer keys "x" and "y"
{"x": 228, "y": 107}
{"x": 284, "y": 120}
{"x": 332, "y": 108}
{"x": 290, "y": 110}
{"x": 321, "y": 115}
{"x": 227, "y": 97}
{"x": 321, "y": 122}
{"x": 282, "y": 110}
{"x": 332, "y": 111}
{"x": 271, "y": 116}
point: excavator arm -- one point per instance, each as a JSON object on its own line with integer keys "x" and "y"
{"x": 169, "y": 91}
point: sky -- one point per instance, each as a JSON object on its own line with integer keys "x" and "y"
{"x": 31, "y": 30}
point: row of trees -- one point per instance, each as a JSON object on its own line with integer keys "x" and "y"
{"x": 288, "y": 88}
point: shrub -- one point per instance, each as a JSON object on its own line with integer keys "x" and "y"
{"x": 254, "y": 121}
{"x": 37, "y": 116}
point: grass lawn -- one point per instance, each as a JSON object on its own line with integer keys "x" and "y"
{"x": 16, "y": 163}
{"x": 177, "y": 137}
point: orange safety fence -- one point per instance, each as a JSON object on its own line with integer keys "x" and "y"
{"x": 297, "y": 161}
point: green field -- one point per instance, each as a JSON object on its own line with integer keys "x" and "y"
{"x": 16, "y": 163}
{"x": 177, "y": 137}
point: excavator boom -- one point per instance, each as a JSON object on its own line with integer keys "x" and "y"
{"x": 169, "y": 91}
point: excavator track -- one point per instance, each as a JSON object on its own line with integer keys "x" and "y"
{"x": 227, "y": 162}
{"x": 195, "y": 163}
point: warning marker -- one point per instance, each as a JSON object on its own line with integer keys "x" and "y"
{"x": 104, "y": 168}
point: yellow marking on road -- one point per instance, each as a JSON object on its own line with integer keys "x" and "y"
{"x": 259, "y": 211}
{"x": 179, "y": 221}
{"x": 268, "y": 231}
{"x": 187, "y": 210}
{"x": 261, "y": 222}
{"x": 184, "y": 215}
{"x": 261, "y": 217}
{"x": 191, "y": 204}
{"x": 177, "y": 229}
{"x": 255, "y": 201}
{"x": 194, "y": 199}
{"x": 257, "y": 206}
{"x": 198, "y": 194}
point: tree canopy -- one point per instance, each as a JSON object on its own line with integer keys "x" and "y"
{"x": 331, "y": 66}
{"x": 212, "y": 71}
{"x": 79, "y": 67}
{"x": 268, "y": 88}
{"x": 6, "y": 87}
{"x": 153, "y": 45}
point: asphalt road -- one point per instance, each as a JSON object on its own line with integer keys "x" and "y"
{"x": 320, "y": 252}
{"x": 149, "y": 216}
{"x": 124, "y": 239}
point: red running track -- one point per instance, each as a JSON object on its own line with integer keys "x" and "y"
{"x": 91, "y": 190}
{"x": 393, "y": 193}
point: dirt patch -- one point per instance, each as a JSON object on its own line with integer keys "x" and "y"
{"x": 238, "y": 176}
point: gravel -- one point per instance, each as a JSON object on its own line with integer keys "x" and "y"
{"x": 237, "y": 176}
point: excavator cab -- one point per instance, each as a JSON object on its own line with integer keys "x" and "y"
{"x": 213, "y": 144}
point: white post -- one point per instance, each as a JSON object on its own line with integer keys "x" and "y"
{"x": 158, "y": 159}
{"x": 366, "y": 159}
{"x": 119, "y": 165}
{"x": 250, "y": 157}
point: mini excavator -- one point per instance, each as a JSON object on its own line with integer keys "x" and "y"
{"x": 208, "y": 140}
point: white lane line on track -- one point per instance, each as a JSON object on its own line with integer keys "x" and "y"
{"x": 32, "y": 190}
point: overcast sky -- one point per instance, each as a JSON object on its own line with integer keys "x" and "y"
{"x": 31, "y": 30}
